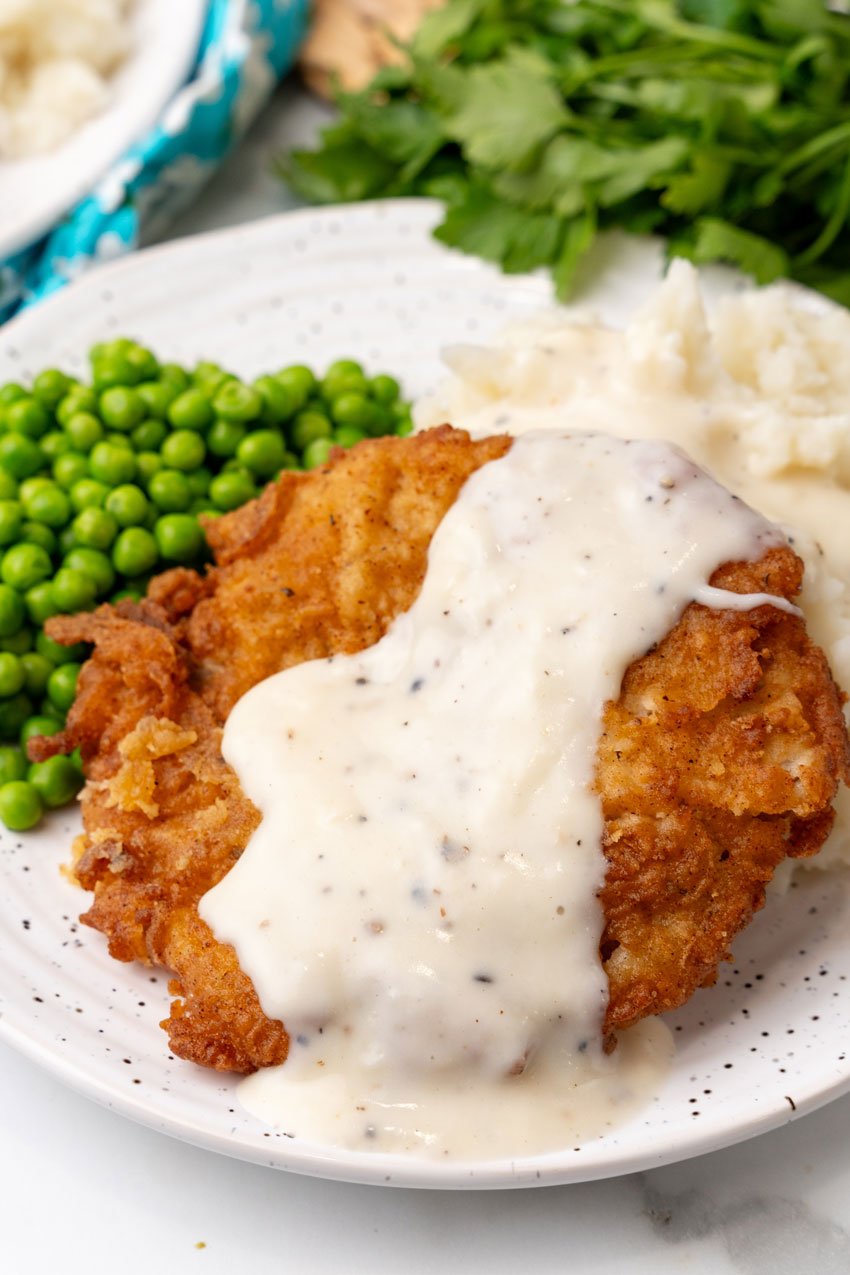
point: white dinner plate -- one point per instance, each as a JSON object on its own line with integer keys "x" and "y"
{"x": 367, "y": 281}
{"x": 36, "y": 192}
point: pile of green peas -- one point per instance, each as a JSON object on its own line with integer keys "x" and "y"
{"x": 102, "y": 483}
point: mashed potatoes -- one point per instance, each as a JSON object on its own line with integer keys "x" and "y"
{"x": 55, "y": 57}
{"x": 757, "y": 391}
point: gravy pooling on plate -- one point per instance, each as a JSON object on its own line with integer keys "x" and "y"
{"x": 418, "y": 904}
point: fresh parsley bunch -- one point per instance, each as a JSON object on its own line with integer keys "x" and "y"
{"x": 721, "y": 124}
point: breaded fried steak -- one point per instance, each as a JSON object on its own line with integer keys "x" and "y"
{"x": 721, "y": 756}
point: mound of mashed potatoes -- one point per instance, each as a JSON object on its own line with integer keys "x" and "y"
{"x": 55, "y": 60}
{"x": 756, "y": 390}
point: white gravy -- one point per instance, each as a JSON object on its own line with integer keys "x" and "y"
{"x": 418, "y": 904}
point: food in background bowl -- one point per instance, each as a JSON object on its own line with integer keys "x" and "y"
{"x": 56, "y": 58}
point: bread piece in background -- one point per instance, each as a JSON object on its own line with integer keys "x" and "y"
{"x": 348, "y": 41}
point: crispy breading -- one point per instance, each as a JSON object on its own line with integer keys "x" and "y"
{"x": 721, "y": 756}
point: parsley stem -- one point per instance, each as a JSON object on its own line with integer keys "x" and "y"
{"x": 728, "y": 41}
{"x": 837, "y": 219}
{"x": 815, "y": 146}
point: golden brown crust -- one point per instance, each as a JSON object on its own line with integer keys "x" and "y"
{"x": 722, "y": 754}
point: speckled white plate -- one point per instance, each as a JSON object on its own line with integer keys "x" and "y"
{"x": 36, "y": 192}
{"x": 767, "y": 1043}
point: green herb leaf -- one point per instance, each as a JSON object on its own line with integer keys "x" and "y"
{"x": 700, "y": 187}
{"x": 510, "y": 109}
{"x": 717, "y": 240}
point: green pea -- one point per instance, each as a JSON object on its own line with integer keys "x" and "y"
{"x": 8, "y": 486}
{"x": 113, "y": 369}
{"x": 62, "y": 686}
{"x": 20, "y": 455}
{"x": 55, "y": 444}
{"x": 110, "y": 464}
{"x": 20, "y": 805}
{"x": 342, "y": 377}
{"x": 19, "y": 643}
{"x": 88, "y": 493}
{"x": 382, "y": 420}
{"x": 317, "y": 452}
{"x": 190, "y": 410}
{"x": 49, "y": 505}
{"x": 148, "y": 463}
{"x": 11, "y": 521}
{"x": 384, "y": 389}
{"x": 184, "y": 450}
{"x": 129, "y": 595}
{"x": 105, "y": 349}
{"x": 143, "y": 361}
{"x": 128, "y": 505}
{"x": 69, "y": 469}
{"x": 35, "y": 533}
{"x": 12, "y": 676}
{"x": 148, "y": 436}
{"x": 28, "y": 417}
{"x": 307, "y": 427}
{"x": 237, "y": 402}
{"x": 224, "y": 437}
{"x": 13, "y": 713}
{"x": 50, "y": 387}
{"x": 262, "y": 452}
{"x": 157, "y": 397}
{"x": 209, "y": 377}
{"x": 25, "y": 565}
{"x": 170, "y": 491}
{"x": 404, "y": 427}
{"x": 72, "y": 591}
{"x": 121, "y": 408}
{"x": 95, "y": 528}
{"x": 174, "y": 375}
{"x": 36, "y": 672}
{"x": 352, "y": 409}
{"x": 199, "y": 481}
{"x": 94, "y": 564}
{"x": 134, "y": 552}
{"x": 41, "y": 724}
{"x": 118, "y": 440}
{"x": 11, "y": 392}
{"x": 40, "y": 602}
{"x": 30, "y": 486}
{"x": 83, "y": 430}
{"x": 279, "y": 403}
{"x": 348, "y": 436}
{"x": 57, "y": 780}
{"x": 299, "y": 381}
{"x": 178, "y": 537}
{"x": 55, "y": 653}
{"x": 228, "y": 491}
{"x": 81, "y": 398}
{"x": 13, "y": 763}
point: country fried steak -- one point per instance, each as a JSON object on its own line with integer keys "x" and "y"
{"x": 720, "y": 758}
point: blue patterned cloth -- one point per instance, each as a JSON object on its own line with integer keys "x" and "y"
{"x": 245, "y": 48}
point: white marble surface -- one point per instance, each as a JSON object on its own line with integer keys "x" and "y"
{"x": 83, "y": 1190}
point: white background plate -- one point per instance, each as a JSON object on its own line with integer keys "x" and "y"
{"x": 367, "y": 281}
{"x": 35, "y": 193}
